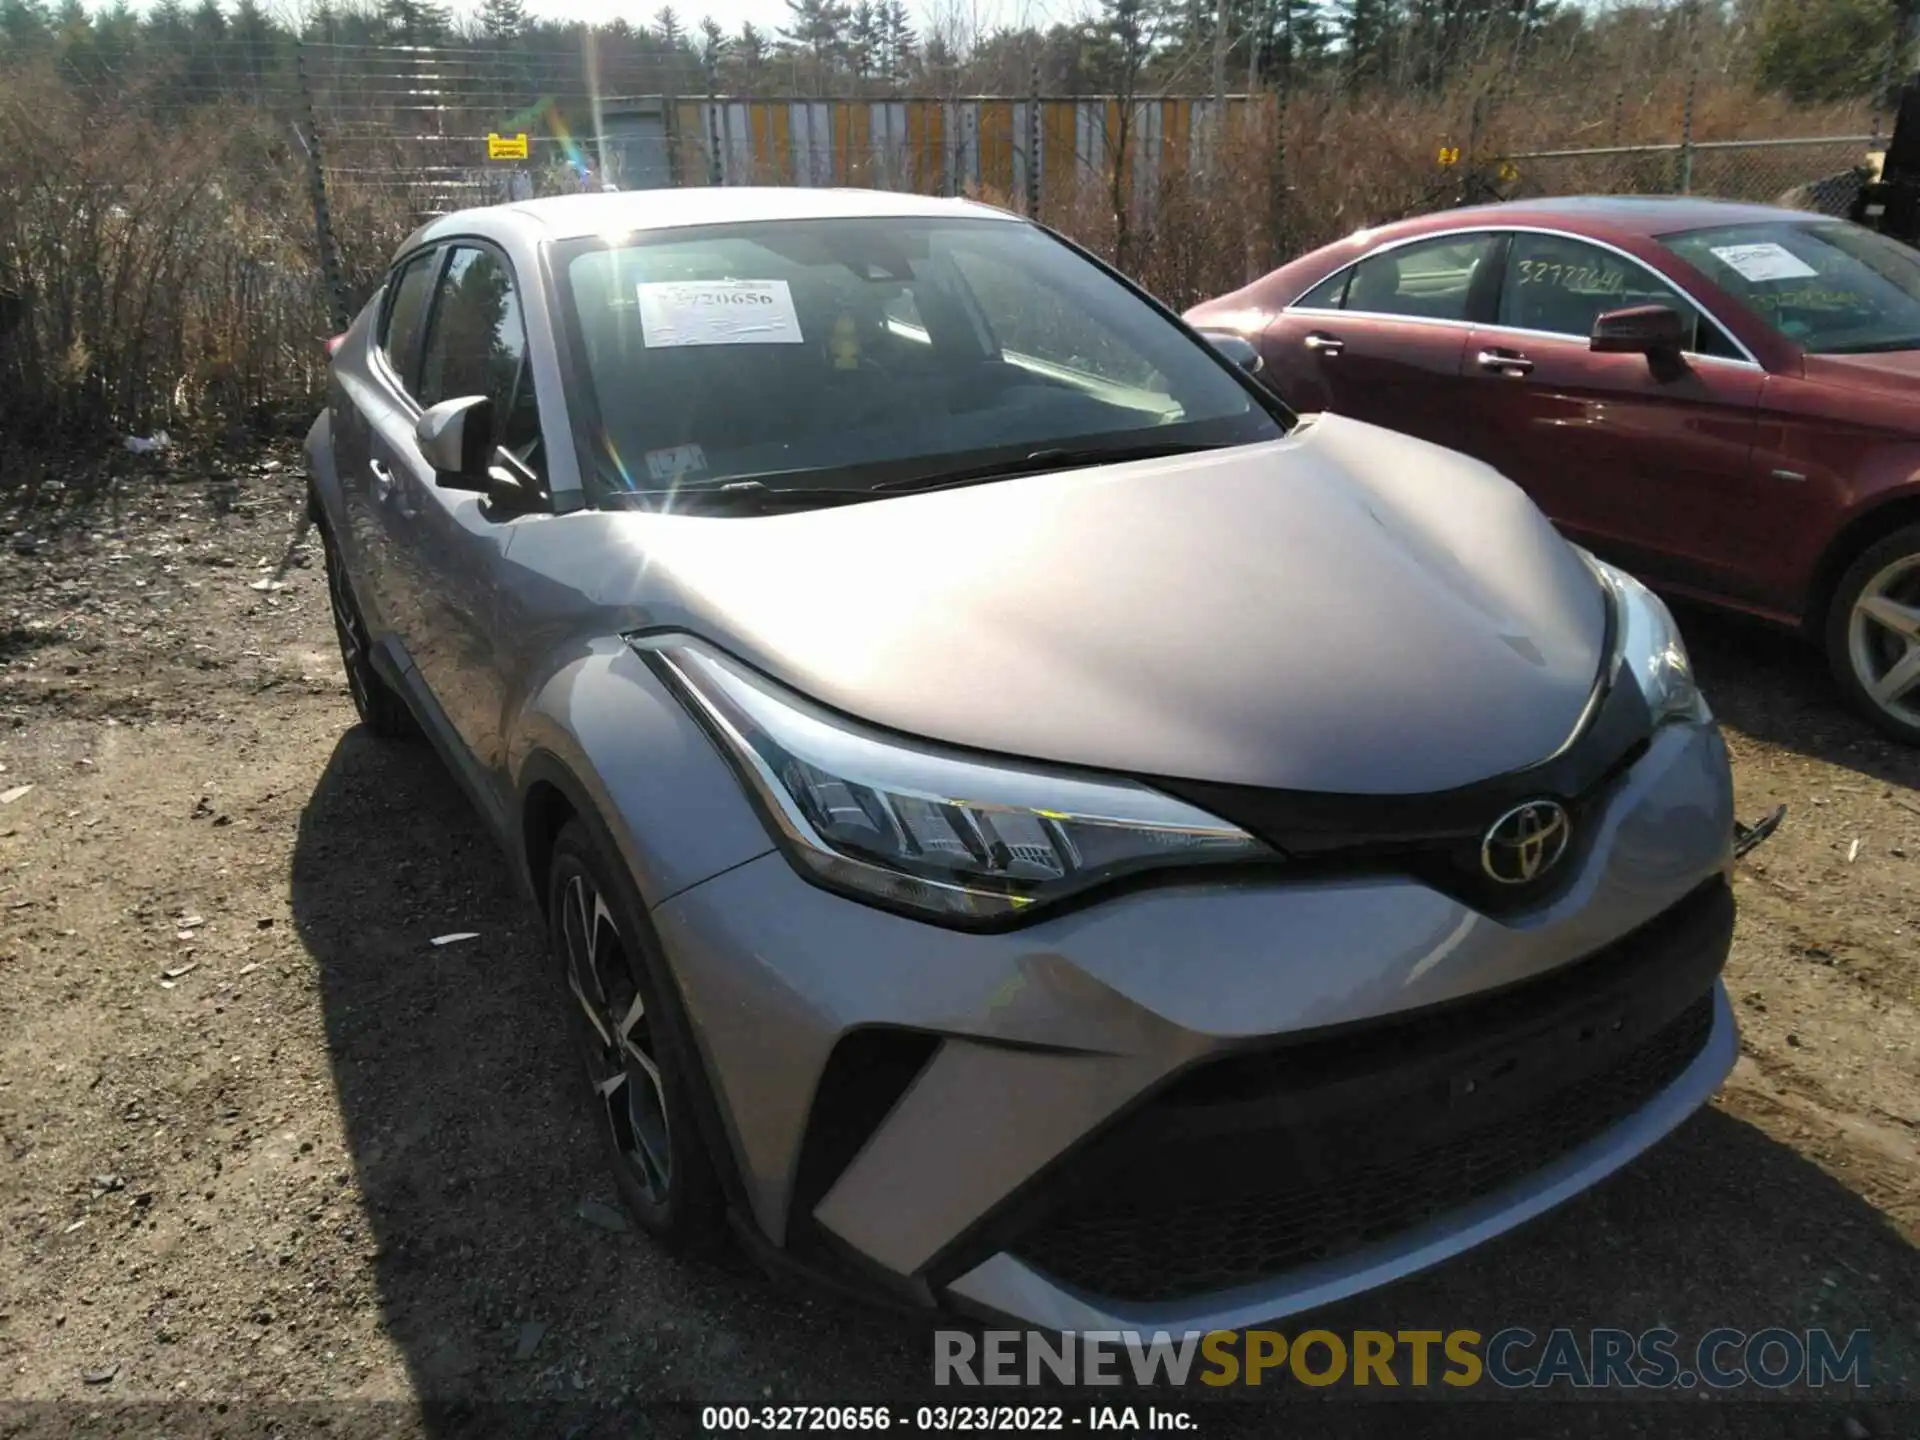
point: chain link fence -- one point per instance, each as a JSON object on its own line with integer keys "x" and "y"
{"x": 175, "y": 243}
{"x": 408, "y": 132}
{"x": 431, "y": 129}
{"x": 1820, "y": 173}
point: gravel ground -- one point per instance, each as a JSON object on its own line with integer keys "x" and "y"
{"x": 265, "y": 1142}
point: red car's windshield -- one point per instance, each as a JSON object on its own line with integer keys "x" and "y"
{"x": 1830, "y": 287}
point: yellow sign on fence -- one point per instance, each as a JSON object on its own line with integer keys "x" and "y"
{"x": 507, "y": 147}
{"x": 1449, "y": 155}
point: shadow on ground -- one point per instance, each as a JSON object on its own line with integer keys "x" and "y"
{"x": 1773, "y": 686}
{"x": 473, "y": 1148}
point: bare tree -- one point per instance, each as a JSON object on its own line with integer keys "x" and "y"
{"x": 1128, "y": 29}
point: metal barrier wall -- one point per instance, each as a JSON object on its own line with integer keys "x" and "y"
{"x": 992, "y": 144}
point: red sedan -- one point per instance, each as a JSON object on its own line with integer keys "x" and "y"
{"x": 1724, "y": 398}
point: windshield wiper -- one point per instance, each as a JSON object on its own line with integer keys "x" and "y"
{"x": 1051, "y": 458}
{"x": 754, "y": 496}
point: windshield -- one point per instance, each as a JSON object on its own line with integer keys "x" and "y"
{"x": 1830, "y": 287}
{"x": 858, "y": 353}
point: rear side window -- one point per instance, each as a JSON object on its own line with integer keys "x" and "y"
{"x": 1329, "y": 294}
{"x": 406, "y": 316}
{"x": 1429, "y": 280}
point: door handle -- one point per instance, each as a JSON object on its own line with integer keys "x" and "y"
{"x": 1324, "y": 344}
{"x": 1505, "y": 362}
{"x": 382, "y": 479}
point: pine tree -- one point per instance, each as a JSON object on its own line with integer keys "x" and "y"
{"x": 203, "y": 73}
{"x": 713, "y": 49}
{"x": 1823, "y": 50}
{"x": 24, "y": 27}
{"x": 116, "y": 31}
{"x": 167, "y": 22}
{"x": 1127, "y": 29}
{"x": 666, "y": 25}
{"x": 413, "y": 22}
{"x": 897, "y": 25}
{"x": 1365, "y": 29}
{"x": 254, "y": 32}
{"x": 937, "y": 59}
{"x": 815, "y": 27}
{"x": 73, "y": 35}
{"x": 749, "y": 56}
{"x": 1293, "y": 38}
{"x": 863, "y": 38}
{"x": 503, "y": 21}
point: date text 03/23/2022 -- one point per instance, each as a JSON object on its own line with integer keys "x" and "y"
{"x": 938, "y": 1419}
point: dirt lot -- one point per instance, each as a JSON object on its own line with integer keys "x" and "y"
{"x": 263, "y": 1140}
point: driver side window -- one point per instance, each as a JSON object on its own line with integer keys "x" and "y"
{"x": 1560, "y": 286}
{"x": 477, "y": 345}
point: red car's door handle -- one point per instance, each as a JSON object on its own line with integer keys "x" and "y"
{"x": 1322, "y": 343}
{"x": 1505, "y": 362}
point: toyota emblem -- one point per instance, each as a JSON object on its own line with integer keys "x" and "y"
{"x": 1526, "y": 842}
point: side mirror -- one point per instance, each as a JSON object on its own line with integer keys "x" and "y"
{"x": 1237, "y": 348}
{"x": 1656, "y": 331}
{"x": 456, "y": 439}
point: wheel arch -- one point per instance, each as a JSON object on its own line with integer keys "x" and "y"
{"x": 1887, "y": 514}
{"x": 551, "y": 797}
{"x": 324, "y": 500}
{"x": 603, "y": 738}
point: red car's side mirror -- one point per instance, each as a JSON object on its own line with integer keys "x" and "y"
{"x": 1652, "y": 330}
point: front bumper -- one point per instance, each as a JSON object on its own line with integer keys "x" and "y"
{"x": 963, "y": 1119}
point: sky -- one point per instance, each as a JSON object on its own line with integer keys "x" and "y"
{"x": 983, "y": 16}
{"x": 970, "y": 16}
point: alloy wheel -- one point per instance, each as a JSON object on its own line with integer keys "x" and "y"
{"x": 1883, "y": 639}
{"x": 618, "y": 1039}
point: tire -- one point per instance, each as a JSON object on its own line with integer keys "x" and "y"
{"x": 381, "y": 710}
{"x": 1872, "y": 634}
{"x": 641, "y": 1088}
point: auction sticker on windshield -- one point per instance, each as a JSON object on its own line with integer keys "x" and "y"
{"x": 1765, "y": 261}
{"x": 675, "y": 461}
{"x": 717, "y": 312}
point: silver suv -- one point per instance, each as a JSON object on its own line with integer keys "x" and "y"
{"x": 1024, "y": 822}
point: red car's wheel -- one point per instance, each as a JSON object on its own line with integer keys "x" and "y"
{"x": 1873, "y": 634}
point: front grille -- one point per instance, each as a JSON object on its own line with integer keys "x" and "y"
{"x": 1210, "y": 1222}
{"x": 1435, "y": 837}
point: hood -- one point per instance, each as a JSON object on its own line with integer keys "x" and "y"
{"x": 1345, "y": 610}
{"x": 1896, "y": 372}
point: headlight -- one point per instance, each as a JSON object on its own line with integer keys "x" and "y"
{"x": 935, "y": 832}
{"x": 1649, "y": 645}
